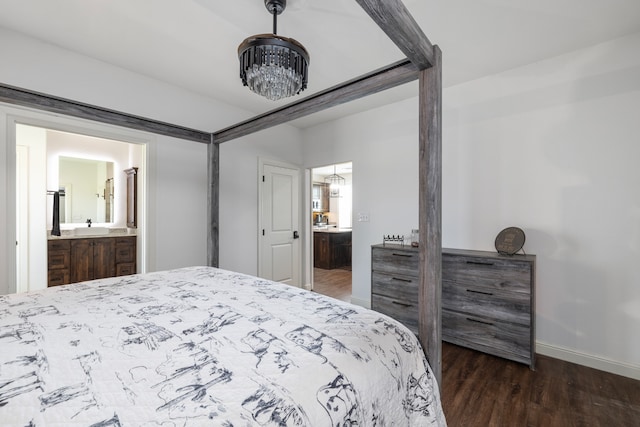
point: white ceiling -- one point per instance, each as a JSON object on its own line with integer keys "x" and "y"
{"x": 192, "y": 43}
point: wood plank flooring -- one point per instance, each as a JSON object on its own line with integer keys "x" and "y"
{"x": 482, "y": 390}
{"x": 335, "y": 283}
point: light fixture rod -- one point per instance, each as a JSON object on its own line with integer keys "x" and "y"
{"x": 275, "y": 22}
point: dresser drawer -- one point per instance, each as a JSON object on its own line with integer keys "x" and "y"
{"x": 501, "y": 339}
{"x": 492, "y": 274}
{"x": 395, "y": 261}
{"x": 404, "y": 312}
{"x": 402, "y": 288}
{"x": 499, "y": 305}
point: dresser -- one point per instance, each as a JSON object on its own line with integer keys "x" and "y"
{"x": 394, "y": 283}
{"x": 488, "y": 299}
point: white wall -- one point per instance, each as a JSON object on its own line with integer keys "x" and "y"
{"x": 552, "y": 148}
{"x": 177, "y": 169}
{"x": 239, "y": 191}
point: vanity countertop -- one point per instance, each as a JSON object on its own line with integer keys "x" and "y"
{"x": 113, "y": 232}
{"x": 331, "y": 230}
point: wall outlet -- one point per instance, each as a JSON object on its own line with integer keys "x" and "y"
{"x": 363, "y": 217}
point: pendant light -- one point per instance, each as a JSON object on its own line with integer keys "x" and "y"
{"x": 335, "y": 181}
{"x": 273, "y": 66}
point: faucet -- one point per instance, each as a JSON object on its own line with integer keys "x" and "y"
{"x": 89, "y": 222}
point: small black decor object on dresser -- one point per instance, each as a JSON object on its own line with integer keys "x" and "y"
{"x": 510, "y": 240}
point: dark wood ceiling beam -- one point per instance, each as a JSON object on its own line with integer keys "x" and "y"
{"x": 395, "y": 20}
{"x": 385, "y": 78}
{"x": 27, "y": 98}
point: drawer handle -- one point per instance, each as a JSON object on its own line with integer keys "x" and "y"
{"x": 479, "y": 321}
{"x": 401, "y": 280}
{"x": 401, "y": 303}
{"x": 479, "y": 292}
{"x": 479, "y": 263}
{"x": 402, "y": 255}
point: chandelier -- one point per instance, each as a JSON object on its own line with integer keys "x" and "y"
{"x": 335, "y": 181}
{"x": 273, "y": 66}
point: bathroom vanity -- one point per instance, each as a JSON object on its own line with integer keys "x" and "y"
{"x": 73, "y": 259}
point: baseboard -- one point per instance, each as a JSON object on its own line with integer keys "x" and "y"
{"x": 589, "y": 360}
{"x": 361, "y": 302}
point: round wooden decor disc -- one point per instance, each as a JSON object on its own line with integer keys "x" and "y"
{"x": 510, "y": 240}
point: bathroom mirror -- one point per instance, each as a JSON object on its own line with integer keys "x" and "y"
{"x": 86, "y": 190}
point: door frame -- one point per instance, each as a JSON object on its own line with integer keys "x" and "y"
{"x": 11, "y": 116}
{"x": 262, "y": 162}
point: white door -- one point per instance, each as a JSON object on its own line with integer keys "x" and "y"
{"x": 279, "y": 252}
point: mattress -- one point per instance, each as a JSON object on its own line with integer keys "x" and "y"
{"x": 205, "y": 346}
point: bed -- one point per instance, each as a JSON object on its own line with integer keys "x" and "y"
{"x": 206, "y": 346}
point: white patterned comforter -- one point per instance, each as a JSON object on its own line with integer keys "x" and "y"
{"x": 204, "y": 346}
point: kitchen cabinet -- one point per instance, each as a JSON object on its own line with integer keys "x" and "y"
{"x": 331, "y": 249}
{"x": 320, "y": 197}
{"x": 79, "y": 259}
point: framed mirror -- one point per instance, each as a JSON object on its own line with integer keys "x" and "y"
{"x": 86, "y": 190}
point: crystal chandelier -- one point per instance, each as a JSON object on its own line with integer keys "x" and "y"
{"x": 273, "y": 66}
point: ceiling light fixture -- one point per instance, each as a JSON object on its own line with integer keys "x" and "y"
{"x": 335, "y": 181}
{"x": 273, "y": 66}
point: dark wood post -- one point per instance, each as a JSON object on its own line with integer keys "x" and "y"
{"x": 213, "y": 203}
{"x": 430, "y": 212}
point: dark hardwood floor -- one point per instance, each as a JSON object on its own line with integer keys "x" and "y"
{"x": 482, "y": 390}
{"x": 335, "y": 283}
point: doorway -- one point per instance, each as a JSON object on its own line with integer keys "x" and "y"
{"x": 331, "y": 222}
{"x": 40, "y": 150}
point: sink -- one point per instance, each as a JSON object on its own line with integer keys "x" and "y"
{"x": 90, "y": 231}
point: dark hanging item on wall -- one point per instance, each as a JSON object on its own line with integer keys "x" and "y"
{"x": 55, "y": 229}
{"x": 132, "y": 197}
{"x": 510, "y": 240}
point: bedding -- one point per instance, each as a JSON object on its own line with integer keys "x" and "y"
{"x": 205, "y": 346}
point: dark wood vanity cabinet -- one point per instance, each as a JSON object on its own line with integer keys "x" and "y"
{"x": 92, "y": 259}
{"x": 58, "y": 262}
{"x": 77, "y": 260}
{"x": 125, "y": 256}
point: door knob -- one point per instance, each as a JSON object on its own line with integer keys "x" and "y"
{"x": 296, "y": 235}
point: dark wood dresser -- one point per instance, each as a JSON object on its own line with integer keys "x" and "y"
{"x": 488, "y": 299}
